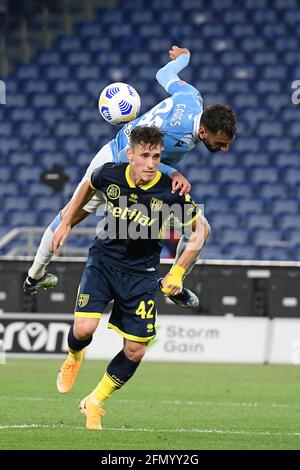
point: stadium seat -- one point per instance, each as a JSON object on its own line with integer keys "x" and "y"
{"x": 263, "y": 221}
{"x": 264, "y": 236}
{"x": 245, "y": 60}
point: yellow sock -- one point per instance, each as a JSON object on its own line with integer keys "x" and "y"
{"x": 105, "y": 388}
{"x": 75, "y": 355}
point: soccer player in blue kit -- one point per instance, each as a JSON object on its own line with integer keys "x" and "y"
{"x": 184, "y": 123}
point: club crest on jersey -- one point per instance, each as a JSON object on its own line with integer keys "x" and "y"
{"x": 83, "y": 300}
{"x": 156, "y": 204}
{"x": 113, "y": 191}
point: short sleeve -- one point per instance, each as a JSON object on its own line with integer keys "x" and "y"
{"x": 96, "y": 178}
{"x": 189, "y": 212}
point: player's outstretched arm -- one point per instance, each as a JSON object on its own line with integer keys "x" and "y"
{"x": 167, "y": 76}
{"x": 72, "y": 215}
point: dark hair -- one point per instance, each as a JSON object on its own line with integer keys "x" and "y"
{"x": 146, "y": 135}
{"x": 219, "y": 117}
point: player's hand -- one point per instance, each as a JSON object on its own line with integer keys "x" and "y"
{"x": 172, "y": 282}
{"x": 61, "y": 234}
{"x": 179, "y": 182}
{"x": 176, "y": 51}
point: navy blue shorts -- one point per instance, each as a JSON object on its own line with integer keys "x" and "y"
{"x": 134, "y": 310}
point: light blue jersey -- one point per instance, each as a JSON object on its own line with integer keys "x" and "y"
{"x": 178, "y": 117}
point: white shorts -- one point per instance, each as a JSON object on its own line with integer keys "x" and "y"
{"x": 104, "y": 155}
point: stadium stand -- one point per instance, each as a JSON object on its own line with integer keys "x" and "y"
{"x": 242, "y": 56}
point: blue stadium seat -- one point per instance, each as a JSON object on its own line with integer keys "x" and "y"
{"x": 270, "y": 129}
{"x": 72, "y": 145}
{"x": 246, "y": 206}
{"x": 256, "y": 160}
{"x": 274, "y": 253}
{"x": 67, "y": 44}
{"x": 269, "y": 191}
{"x": 236, "y": 190}
{"x": 18, "y": 114}
{"x": 37, "y": 190}
{"x": 49, "y": 58}
{"x": 63, "y": 86}
{"x": 231, "y": 175}
{"x": 54, "y": 72}
{"x": 289, "y": 221}
{"x": 7, "y": 146}
{"x": 204, "y": 190}
{"x": 68, "y": 129}
{"x": 45, "y": 203}
{"x": 233, "y": 236}
{"x": 43, "y": 100}
{"x": 292, "y": 235}
{"x": 36, "y": 86}
{"x": 282, "y": 206}
{"x": 31, "y": 129}
{"x": 28, "y": 71}
{"x": 287, "y": 160}
{"x": 21, "y": 218}
{"x": 224, "y": 220}
{"x": 264, "y": 175}
{"x": 264, "y": 236}
{"x": 5, "y": 129}
{"x": 16, "y": 203}
{"x": 292, "y": 176}
{"x": 212, "y": 252}
{"x": 200, "y": 175}
{"x": 48, "y": 144}
{"x": 264, "y": 221}
{"x": 52, "y": 115}
{"x": 245, "y": 60}
{"x": 241, "y": 252}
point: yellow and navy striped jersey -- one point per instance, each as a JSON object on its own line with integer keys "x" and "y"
{"x": 129, "y": 232}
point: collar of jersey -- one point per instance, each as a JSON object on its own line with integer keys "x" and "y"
{"x": 145, "y": 186}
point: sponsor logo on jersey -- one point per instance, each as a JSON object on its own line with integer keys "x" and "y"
{"x": 131, "y": 214}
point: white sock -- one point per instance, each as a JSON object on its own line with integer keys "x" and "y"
{"x": 43, "y": 256}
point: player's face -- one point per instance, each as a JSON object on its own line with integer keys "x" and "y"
{"x": 144, "y": 160}
{"x": 219, "y": 142}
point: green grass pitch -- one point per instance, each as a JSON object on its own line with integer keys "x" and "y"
{"x": 165, "y": 406}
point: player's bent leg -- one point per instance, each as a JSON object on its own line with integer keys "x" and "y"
{"x": 186, "y": 298}
{"x": 119, "y": 371}
{"x": 80, "y": 336}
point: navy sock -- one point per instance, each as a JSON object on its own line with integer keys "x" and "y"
{"x": 77, "y": 344}
{"x": 121, "y": 369}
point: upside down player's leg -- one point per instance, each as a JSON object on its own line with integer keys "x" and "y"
{"x": 37, "y": 276}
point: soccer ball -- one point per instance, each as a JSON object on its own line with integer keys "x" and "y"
{"x": 119, "y": 103}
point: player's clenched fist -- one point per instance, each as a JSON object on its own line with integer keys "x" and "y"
{"x": 176, "y": 51}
